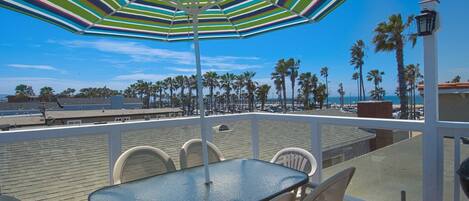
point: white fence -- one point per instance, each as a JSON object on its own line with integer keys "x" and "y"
{"x": 114, "y": 131}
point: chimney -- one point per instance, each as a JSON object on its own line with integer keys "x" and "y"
{"x": 377, "y": 109}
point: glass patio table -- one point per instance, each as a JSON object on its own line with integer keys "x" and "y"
{"x": 238, "y": 179}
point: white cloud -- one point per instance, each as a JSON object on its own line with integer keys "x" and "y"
{"x": 143, "y": 76}
{"x": 142, "y": 53}
{"x": 37, "y": 67}
{"x": 193, "y": 70}
{"x": 183, "y": 70}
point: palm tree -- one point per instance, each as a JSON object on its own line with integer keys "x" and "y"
{"x": 226, "y": 82}
{"x": 159, "y": 87}
{"x": 129, "y": 92}
{"x": 281, "y": 71}
{"x": 67, "y": 92}
{"x": 357, "y": 53}
{"x": 389, "y": 37}
{"x": 251, "y": 87}
{"x": 341, "y": 94}
{"x": 278, "y": 88}
{"x": 46, "y": 93}
{"x": 153, "y": 92}
{"x": 262, "y": 92}
{"x": 293, "y": 67}
{"x": 180, "y": 83}
{"x": 193, "y": 100}
{"x": 142, "y": 90}
{"x": 356, "y": 76}
{"x": 325, "y": 74}
{"x": 211, "y": 81}
{"x": 456, "y": 79}
{"x": 238, "y": 86}
{"x": 320, "y": 94}
{"x": 169, "y": 83}
{"x": 412, "y": 77}
{"x": 306, "y": 87}
{"x": 376, "y": 77}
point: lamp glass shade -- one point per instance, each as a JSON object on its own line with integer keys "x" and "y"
{"x": 426, "y": 22}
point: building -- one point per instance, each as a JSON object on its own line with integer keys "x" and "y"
{"x": 66, "y": 117}
{"x": 453, "y": 101}
{"x": 114, "y": 102}
{"x": 26, "y": 108}
{"x": 7, "y": 122}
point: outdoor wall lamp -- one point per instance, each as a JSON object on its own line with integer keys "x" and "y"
{"x": 426, "y": 22}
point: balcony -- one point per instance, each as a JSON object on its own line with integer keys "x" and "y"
{"x": 68, "y": 163}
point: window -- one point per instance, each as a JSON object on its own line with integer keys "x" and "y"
{"x": 122, "y": 119}
{"x": 74, "y": 122}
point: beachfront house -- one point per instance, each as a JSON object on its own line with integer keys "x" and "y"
{"x": 453, "y": 101}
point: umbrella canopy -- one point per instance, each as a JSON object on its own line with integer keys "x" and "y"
{"x": 169, "y": 20}
{"x": 173, "y": 20}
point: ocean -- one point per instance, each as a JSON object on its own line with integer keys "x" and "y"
{"x": 353, "y": 100}
{"x": 394, "y": 99}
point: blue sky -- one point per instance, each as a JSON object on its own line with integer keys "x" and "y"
{"x": 37, "y": 53}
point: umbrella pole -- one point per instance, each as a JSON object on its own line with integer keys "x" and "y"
{"x": 200, "y": 99}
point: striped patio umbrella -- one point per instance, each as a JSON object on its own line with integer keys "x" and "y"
{"x": 175, "y": 20}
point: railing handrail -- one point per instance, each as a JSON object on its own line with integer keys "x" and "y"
{"x": 57, "y": 132}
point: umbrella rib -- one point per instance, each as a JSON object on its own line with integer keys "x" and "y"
{"x": 290, "y": 11}
{"x": 229, "y": 20}
{"x": 107, "y": 15}
{"x": 172, "y": 23}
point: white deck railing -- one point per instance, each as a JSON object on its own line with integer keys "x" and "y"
{"x": 114, "y": 131}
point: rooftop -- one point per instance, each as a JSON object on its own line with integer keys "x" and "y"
{"x": 106, "y": 113}
{"x": 26, "y": 120}
{"x": 460, "y": 87}
{"x": 28, "y": 106}
{"x": 94, "y": 101}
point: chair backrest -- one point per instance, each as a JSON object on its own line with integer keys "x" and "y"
{"x": 333, "y": 189}
{"x": 296, "y": 158}
{"x": 191, "y": 154}
{"x": 139, "y": 162}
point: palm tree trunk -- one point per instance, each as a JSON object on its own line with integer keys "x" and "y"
{"x": 161, "y": 98}
{"x": 211, "y": 97}
{"x": 171, "y": 96}
{"x": 189, "y": 102}
{"x": 362, "y": 86}
{"x": 327, "y": 93}
{"x": 284, "y": 91}
{"x": 293, "y": 95}
{"x": 414, "y": 98}
{"x": 358, "y": 91}
{"x": 401, "y": 79}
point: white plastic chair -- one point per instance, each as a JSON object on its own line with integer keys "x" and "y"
{"x": 191, "y": 154}
{"x": 333, "y": 189}
{"x": 298, "y": 159}
{"x": 140, "y": 162}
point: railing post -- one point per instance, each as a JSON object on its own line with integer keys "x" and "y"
{"x": 114, "y": 149}
{"x": 209, "y": 128}
{"x": 457, "y": 162}
{"x": 432, "y": 149}
{"x": 316, "y": 149}
{"x": 254, "y": 136}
